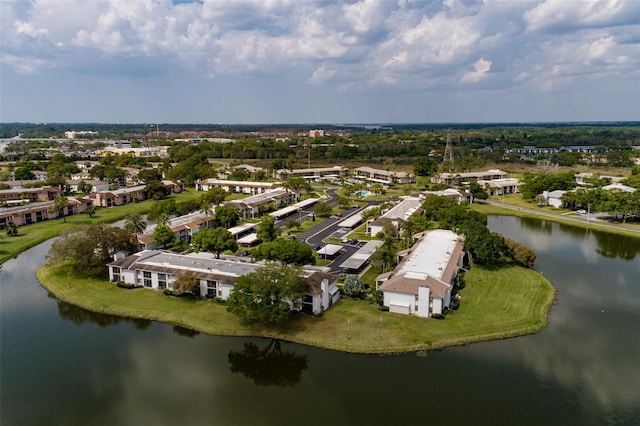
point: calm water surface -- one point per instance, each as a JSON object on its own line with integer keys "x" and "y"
{"x": 61, "y": 365}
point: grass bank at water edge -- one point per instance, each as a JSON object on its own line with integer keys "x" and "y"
{"x": 496, "y": 304}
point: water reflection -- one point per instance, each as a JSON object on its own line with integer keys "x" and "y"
{"x": 624, "y": 248}
{"x": 79, "y": 316}
{"x": 270, "y": 366}
{"x": 187, "y": 332}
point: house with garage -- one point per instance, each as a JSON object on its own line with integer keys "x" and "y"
{"x": 157, "y": 270}
{"x": 423, "y": 281}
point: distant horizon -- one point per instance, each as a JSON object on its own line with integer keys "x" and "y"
{"x": 307, "y": 124}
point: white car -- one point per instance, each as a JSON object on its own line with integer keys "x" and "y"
{"x": 581, "y": 211}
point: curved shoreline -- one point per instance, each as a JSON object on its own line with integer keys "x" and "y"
{"x": 495, "y": 305}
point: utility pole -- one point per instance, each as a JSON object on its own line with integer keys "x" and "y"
{"x": 448, "y": 152}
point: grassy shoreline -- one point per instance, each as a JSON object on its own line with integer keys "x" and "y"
{"x": 514, "y": 210}
{"x": 496, "y": 304}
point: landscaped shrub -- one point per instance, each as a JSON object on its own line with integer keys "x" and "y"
{"x": 438, "y": 316}
{"x": 384, "y": 308}
{"x": 122, "y": 284}
{"x": 168, "y": 292}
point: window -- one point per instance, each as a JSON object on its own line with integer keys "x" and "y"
{"x": 162, "y": 281}
{"x": 147, "y": 278}
{"x": 116, "y": 274}
{"x": 211, "y": 288}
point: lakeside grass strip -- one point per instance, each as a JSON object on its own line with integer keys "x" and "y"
{"x": 511, "y": 210}
{"x": 496, "y": 304}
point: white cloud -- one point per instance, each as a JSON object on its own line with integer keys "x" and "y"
{"x": 360, "y": 46}
{"x": 480, "y": 69}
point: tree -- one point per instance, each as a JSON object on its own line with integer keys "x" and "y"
{"x": 434, "y": 206}
{"x": 216, "y": 241}
{"x": 90, "y": 210}
{"x": 353, "y": 286}
{"x": 164, "y": 236}
{"x": 12, "y": 229}
{"x": 289, "y": 252}
{"x": 322, "y": 209}
{"x": 149, "y": 175}
{"x": 291, "y": 224}
{"x": 227, "y": 216}
{"x": 384, "y": 257}
{"x": 485, "y": 247}
{"x": 425, "y": 166}
{"x": 186, "y": 283}
{"x": 59, "y": 204}
{"x": 267, "y": 230}
{"x": 478, "y": 191}
{"x": 215, "y": 196}
{"x": 160, "y": 208}
{"x": 90, "y": 248}
{"x": 268, "y": 294}
{"x": 239, "y": 174}
{"x": 135, "y": 223}
{"x": 297, "y": 184}
{"x": 157, "y": 190}
{"x": 84, "y": 187}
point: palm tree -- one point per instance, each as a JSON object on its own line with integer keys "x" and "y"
{"x": 206, "y": 208}
{"x": 135, "y": 223}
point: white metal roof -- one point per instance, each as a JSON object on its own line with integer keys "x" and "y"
{"x": 431, "y": 255}
{"x": 330, "y": 249}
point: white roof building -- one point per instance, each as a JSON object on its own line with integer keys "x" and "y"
{"x": 422, "y": 282}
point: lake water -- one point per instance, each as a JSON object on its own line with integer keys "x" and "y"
{"x": 61, "y": 365}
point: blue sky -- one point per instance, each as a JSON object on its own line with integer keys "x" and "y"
{"x": 136, "y": 61}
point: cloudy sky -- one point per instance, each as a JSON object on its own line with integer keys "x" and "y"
{"x": 270, "y": 61}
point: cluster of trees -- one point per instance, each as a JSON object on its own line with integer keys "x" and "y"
{"x": 534, "y": 184}
{"x": 482, "y": 245}
{"x": 289, "y": 252}
{"x": 618, "y": 204}
{"x": 268, "y": 294}
{"x": 90, "y": 248}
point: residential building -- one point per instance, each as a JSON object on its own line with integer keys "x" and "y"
{"x": 252, "y": 170}
{"x": 38, "y": 212}
{"x": 385, "y": 177}
{"x": 453, "y": 179}
{"x": 313, "y": 173}
{"x": 121, "y": 196}
{"x": 237, "y": 186}
{"x": 619, "y": 187}
{"x": 423, "y": 281}
{"x": 158, "y": 270}
{"x": 45, "y": 193}
{"x": 501, "y": 186}
{"x": 184, "y": 227}
{"x": 397, "y": 215}
{"x": 554, "y": 198}
{"x": 456, "y": 194}
{"x": 250, "y": 206}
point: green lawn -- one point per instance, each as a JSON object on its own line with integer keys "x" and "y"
{"x": 495, "y": 304}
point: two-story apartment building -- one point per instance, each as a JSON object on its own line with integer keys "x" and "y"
{"x": 157, "y": 270}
